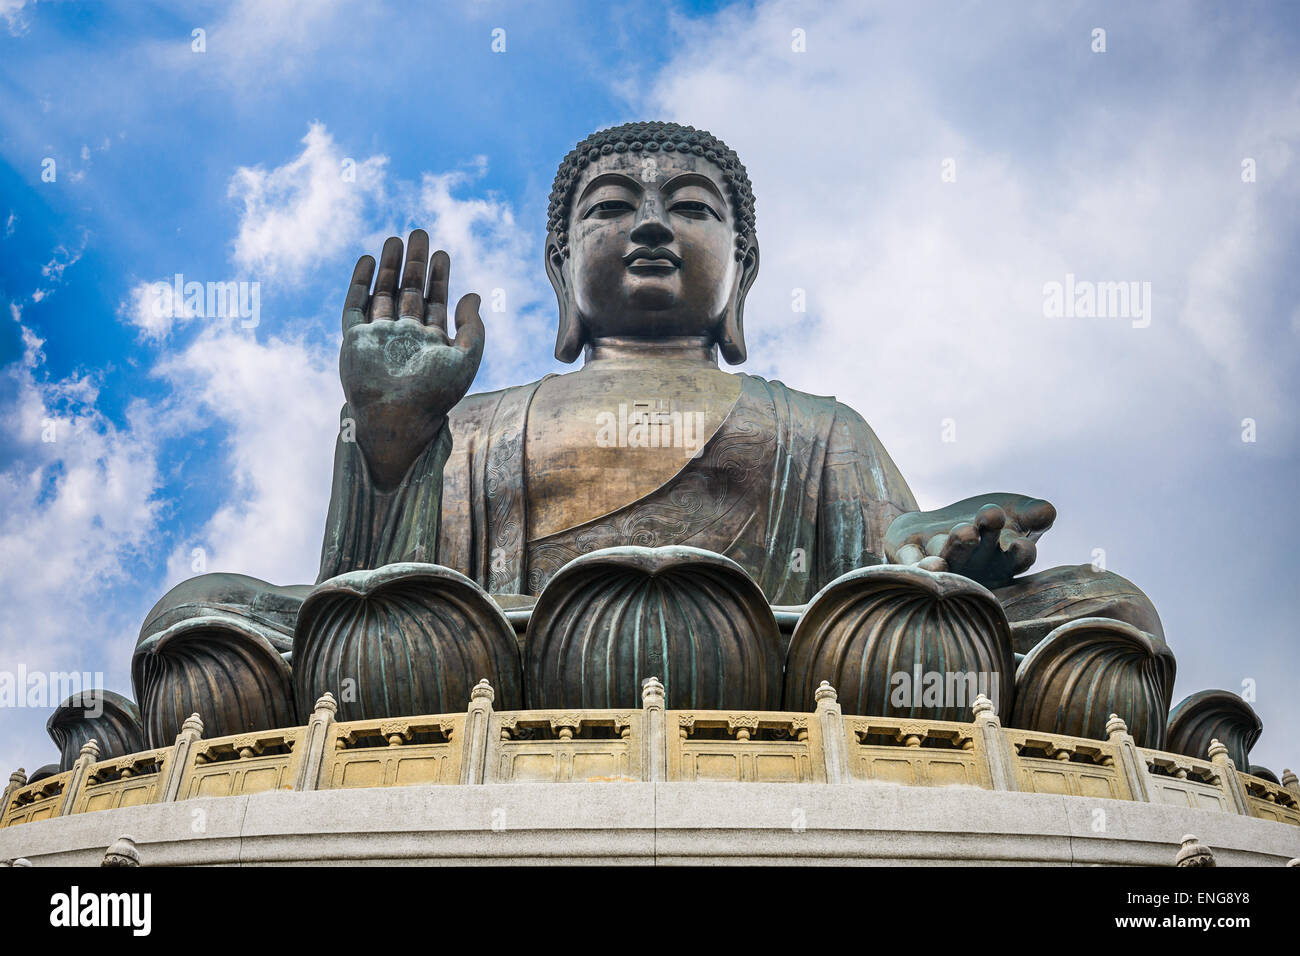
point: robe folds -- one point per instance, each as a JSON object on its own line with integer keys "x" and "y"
{"x": 795, "y": 488}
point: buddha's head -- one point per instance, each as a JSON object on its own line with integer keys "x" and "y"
{"x": 650, "y": 234}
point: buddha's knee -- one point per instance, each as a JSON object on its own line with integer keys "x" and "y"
{"x": 1037, "y": 603}
{"x": 217, "y": 646}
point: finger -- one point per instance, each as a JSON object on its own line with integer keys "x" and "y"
{"x": 469, "y": 327}
{"x": 990, "y": 523}
{"x": 933, "y": 563}
{"x": 390, "y": 263}
{"x": 435, "y": 303}
{"x": 1020, "y": 555}
{"x": 410, "y": 301}
{"x": 990, "y": 518}
{"x": 354, "y": 306}
{"x": 909, "y": 554}
{"x": 935, "y": 543}
{"x": 1035, "y": 516}
{"x": 962, "y": 540}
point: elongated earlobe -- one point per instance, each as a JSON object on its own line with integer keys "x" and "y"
{"x": 569, "y": 335}
{"x": 731, "y": 340}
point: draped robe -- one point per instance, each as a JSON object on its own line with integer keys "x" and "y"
{"x": 795, "y": 488}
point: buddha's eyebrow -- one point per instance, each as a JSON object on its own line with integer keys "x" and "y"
{"x": 610, "y": 179}
{"x": 693, "y": 179}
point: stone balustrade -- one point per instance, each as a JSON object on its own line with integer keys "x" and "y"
{"x": 650, "y": 743}
{"x": 37, "y": 801}
{"x": 122, "y": 782}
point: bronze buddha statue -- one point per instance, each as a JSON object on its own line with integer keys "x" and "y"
{"x": 651, "y": 249}
{"x": 651, "y": 252}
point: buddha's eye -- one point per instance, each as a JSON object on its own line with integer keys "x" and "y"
{"x": 695, "y": 210}
{"x": 608, "y": 208}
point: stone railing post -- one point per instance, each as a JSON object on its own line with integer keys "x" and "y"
{"x": 654, "y": 739}
{"x": 123, "y": 852}
{"x": 474, "y": 755}
{"x": 314, "y": 741}
{"x": 80, "y": 770}
{"x": 1132, "y": 764}
{"x": 1194, "y": 853}
{"x": 1291, "y": 782}
{"x": 1228, "y": 774}
{"x": 178, "y": 761}
{"x": 835, "y": 745}
{"x": 17, "y": 780}
{"x": 994, "y": 743}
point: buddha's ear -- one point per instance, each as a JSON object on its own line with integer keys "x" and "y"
{"x": 732, "y": 340}
{"x": 569, "y": 336}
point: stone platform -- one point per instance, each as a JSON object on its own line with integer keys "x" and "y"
{"x": 651, "y": 785}
{"x": 653, "y": 823}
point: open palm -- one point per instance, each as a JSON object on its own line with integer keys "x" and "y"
{"x": 401, "y": 372}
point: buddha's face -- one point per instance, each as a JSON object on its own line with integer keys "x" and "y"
{"x": 651, "y": 246}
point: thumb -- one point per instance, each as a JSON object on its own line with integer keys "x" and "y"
{"x": 469, "y": 326}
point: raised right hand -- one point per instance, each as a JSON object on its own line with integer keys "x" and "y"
{"x": 400, "y": 371}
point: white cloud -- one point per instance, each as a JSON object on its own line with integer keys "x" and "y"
{"x": 15, "y": 17}
{"x": 280, "y": 401}
{"x": 248, "y": 44}
{"x": 80, "y": 507}
{"x": 255, "y": 41}
{"x": 154, "y": 309}
{"x": 305, "y": 212}
{"x": 63, "y": 259}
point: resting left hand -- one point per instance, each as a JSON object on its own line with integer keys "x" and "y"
{"x": 989, "y": 539}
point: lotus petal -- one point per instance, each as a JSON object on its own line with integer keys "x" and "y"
{"x": 884, "y": 636}
{"x": 111, "y": 719}
{"x": 216, "y": 645}
{"x": 612, "y": 618}
{"x": 1214, "y": 715}
{"x": 224, "y": 667}
{"x": 1264, "y": 774}
{"x": 402, "y": 640}
{"x": 48, "y": 770}
{"x": 1086, "y": 670}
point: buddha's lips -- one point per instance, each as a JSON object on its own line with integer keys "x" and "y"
{"x": 646, "y": 256}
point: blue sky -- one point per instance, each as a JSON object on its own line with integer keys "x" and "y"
{"x": 924, "y": 294}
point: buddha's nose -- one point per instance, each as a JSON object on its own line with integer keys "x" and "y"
{"x": 651, "y": 227}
